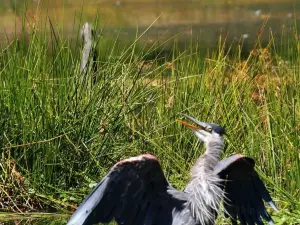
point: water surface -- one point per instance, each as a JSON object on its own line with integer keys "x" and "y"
{"x": 201, "y": 20}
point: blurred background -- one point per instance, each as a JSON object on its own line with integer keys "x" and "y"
{"x": 200, "y": 20}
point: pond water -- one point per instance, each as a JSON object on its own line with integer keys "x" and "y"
{"x": 202, "y": 20}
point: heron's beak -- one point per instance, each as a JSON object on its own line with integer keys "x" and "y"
{"x": 199, "y": 125}
{"x": 191, "y": 126}
{"x": 208, "y": 127}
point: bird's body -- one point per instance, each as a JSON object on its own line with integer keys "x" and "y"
{"x": 136, "y": 192}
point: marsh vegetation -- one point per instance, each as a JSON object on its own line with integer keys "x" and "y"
{"x": 61, "y": 130}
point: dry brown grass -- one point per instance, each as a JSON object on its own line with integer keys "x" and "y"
{"x": 15, "y": 194}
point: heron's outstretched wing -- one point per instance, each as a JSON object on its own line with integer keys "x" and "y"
{"x": 135, "y": 191}
{"x": 244, "y": 191}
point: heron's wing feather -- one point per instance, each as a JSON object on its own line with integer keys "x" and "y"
{"x": 135, "y": 191}
{"x": 244, "y": 191}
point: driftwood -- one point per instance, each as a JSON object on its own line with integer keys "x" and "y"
{"x": 89, "y": 53}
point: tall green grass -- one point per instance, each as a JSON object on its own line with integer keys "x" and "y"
{"x": 59, "y": 134}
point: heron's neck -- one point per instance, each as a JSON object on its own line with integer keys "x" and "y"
{"x": 204, "y": 191}
{"x": 207, "y": 162}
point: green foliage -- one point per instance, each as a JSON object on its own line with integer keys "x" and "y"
{"x": 63, "y": 130}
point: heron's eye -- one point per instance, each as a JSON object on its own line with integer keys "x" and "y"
{"x": 209, "y": 129}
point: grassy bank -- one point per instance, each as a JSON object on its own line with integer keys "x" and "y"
{"x": 61, "y": 130}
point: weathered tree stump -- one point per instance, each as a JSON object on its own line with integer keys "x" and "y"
{"x": 89, "y": 53}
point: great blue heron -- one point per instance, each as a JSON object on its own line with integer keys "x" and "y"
{"x": 135, "y": 191}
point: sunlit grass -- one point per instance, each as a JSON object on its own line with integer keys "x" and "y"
{"x": 59, "y": 133}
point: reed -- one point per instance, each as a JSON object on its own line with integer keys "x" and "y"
{"x": 60, "y": 134}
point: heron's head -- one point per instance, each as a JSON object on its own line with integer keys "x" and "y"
{"x": 204, "y": 131}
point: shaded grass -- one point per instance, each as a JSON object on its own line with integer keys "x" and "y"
{"x": 60, "y": 131}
